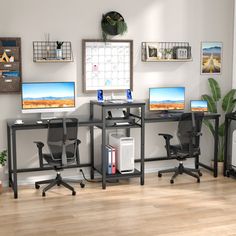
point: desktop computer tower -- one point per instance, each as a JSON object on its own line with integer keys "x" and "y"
{"x": 233, "y": 156}
{"x": 124, "y": 152}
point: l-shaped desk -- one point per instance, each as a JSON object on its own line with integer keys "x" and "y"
{"x": 13, "y": 170}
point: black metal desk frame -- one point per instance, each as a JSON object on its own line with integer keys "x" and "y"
{"x": 91, "y": 123}
{"x": 12, "y": 155}
{"x": 214, "y": 117}
{"x": 105, "y": 107}
{"x": 228, "y": 118}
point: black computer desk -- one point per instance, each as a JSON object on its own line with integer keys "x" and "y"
{"x": 173, "y": 118}
{"x": 30, "y": 124}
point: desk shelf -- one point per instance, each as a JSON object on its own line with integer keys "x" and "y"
{"x": 101, "y": 162}
{"x": 46, "y": 52}
{"x": 166, "y": 52}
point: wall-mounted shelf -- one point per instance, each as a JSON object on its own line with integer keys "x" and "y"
{"x": 46, "y": 51}
{"x": 166, "y": 52}
{"x": 10, "y": 65}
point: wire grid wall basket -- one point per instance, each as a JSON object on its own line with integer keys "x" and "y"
{"x": 44, "y": 51}
{"x": 154, "y": 51}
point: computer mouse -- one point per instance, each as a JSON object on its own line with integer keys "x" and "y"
{"x": 39, "y": 122}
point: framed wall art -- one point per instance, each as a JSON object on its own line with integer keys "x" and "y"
{"x": 107, "y": 65}
{"x": 211, "y": 57}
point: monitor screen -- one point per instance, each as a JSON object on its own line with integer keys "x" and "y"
{"x": 166, "y": 98}
{"x": 48, "y": 96}
{"x": 198, "y": 105}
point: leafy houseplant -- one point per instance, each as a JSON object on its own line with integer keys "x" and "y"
{"x": 215, "y": 102}
{"x": 113, "y": 24}
{"x": 168, "y": 53}
{"x": 3, "y": 157}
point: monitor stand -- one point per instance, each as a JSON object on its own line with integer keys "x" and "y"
{"x": 47, "y": 115}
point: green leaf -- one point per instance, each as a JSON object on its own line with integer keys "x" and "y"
{"x": 215, "y": 89}
{"x": 211, "y": 103}
{"x": 221, "y": 130}
{"x": 228, "y": 103}
{"x": 210, "y": 126}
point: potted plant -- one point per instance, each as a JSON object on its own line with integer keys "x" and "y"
{"x": 218, "y": 103}
{"x": 3, "y": 159}
{"x": 168, "y": 53}
{"x": 113, "y": 23}
{"x": 59, "y": 50}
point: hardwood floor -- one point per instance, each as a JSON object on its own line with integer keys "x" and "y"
{"x": 125, "y": 208}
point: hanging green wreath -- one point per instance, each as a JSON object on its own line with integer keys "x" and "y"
{"x": 113, "y": 23}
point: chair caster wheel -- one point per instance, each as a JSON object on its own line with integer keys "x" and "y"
{"x": 227, "y": 174}
{"x": 58, "y": 185}
{"x": 73, "y": 193}
{"x": 37, "y": 186}
{"x": 43, "y": 194}
{"x": 200, "y": 174}
{"x": 171, "y": 181}
{"x": 198, "y": 180}
{"x": 82, "y": 185}
{"x": 159, "y": 174}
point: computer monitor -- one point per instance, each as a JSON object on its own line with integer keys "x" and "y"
{"x": 198, "y": 105}
{"x": 48, "y": 97}
{"x": 166, "y": 99}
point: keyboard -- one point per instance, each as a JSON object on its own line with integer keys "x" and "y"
{"x": 168, "y": 115}
{"x": 117, "y": 101}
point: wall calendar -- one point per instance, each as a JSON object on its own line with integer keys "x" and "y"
{"x": 107, "y": 65}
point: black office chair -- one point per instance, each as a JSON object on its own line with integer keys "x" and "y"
{"x": 63, "y": 147}
{"x": 189, "y": 131}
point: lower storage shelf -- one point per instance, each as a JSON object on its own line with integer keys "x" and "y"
{"x": 118, "y": 175}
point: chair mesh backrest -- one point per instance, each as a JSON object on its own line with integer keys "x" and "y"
{"x": 62, "y": 132}
{"x": 189, "y": 122}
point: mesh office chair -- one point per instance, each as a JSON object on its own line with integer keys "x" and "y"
{"x": 63, "y": 147}
{"x": 189, "y": 131}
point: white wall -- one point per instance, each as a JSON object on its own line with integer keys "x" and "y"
{"x": 148, "y": 20}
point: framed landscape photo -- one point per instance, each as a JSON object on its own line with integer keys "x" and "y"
{"x": 211, "y": 58}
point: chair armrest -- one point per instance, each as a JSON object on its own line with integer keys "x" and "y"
{"x": 78, "y": 141}
{"x": 167, "y": 137}
{"x": 40, "y": 146}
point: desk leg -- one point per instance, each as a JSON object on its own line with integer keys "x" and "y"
{"x": 104, "y": 161}
{"x": 216, "y": 147}
{"x": 92, "y": 152}
{"x": 14, "y": 161}
{"x": 226, "y": 145}
{"x": 9, "y": 155}
{"x": 142, "y": 151}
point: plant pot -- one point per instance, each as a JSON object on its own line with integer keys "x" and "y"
{"x": 117, "y": 27}
{"x": 59, "y": 53}
{"x": 2, "y": 173}
{"x": 168, "y": 56}
{"x": 220, "y": 165}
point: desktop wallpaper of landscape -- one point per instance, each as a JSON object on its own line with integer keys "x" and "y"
{"x": 199, "y": 106}
{"x": 166, "y": 98}
{"x": 48, "y": 95}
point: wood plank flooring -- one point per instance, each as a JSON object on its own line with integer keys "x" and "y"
{"x": 125, "y": 208}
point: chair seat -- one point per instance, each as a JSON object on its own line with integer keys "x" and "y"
{"x": 57, "y": 162}
{"x": 182, "y": 153}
